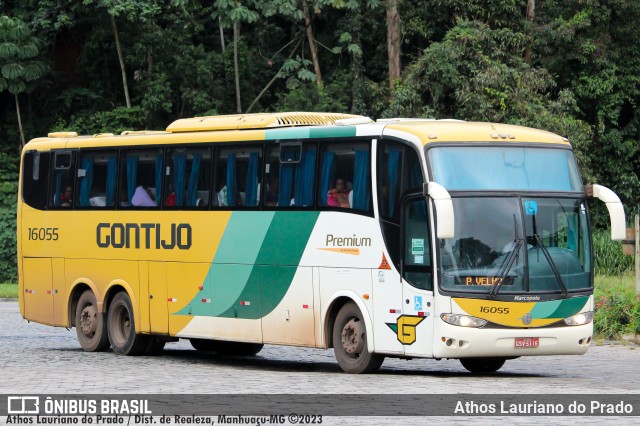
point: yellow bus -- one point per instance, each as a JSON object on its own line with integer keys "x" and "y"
{"x": 395, "y": 238}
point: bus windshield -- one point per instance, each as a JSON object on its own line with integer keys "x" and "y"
{"x": 500, "y": 168}
{"x": 517, "y": 244}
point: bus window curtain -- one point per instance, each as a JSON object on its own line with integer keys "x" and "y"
{"x": 192, "y": 189}
{"x": 56, "y": 193}
{"x": 361, "y": 179}
{"x": 112, "y": 167}
{"x": 86, "y": 182}
{"x": 251, "y": 195}
{"x": 305, "y": 178}
{"x": 392, "y": 170}
{"x": 159, "y": 179}
{"x": 132, "y": 175}
{"x": 286, "y": 179}
{"x": 179, "y": 168}
{"x": 231, "y": 180}
{"x": 325, "y": 179}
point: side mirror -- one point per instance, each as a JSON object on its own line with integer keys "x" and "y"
{"x": 444, "y": 208}
{"x": 616, "y": 211}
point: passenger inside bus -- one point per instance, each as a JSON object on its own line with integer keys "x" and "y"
{"x": 66, "y": 197}
{"x": 143, "y": 197}
{"x": 339, "y": 196}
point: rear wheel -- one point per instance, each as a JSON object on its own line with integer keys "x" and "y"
{"x": 482, "y": 365}
{"x": 350, "y": 342}
{"x": 91, "y": 324}
{"x": 122, "y": 328}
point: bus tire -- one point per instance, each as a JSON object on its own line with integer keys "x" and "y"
{"x": 91, "y": 324}
{"x": 482, "y": 365}
{"x": 350, "y": 342}
{"x": 122, "y": 328}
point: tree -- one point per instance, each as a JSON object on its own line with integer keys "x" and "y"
{"x": 394, "y": 38}
{"x": 234, "y": 12}
{"x": 19, "y": 61}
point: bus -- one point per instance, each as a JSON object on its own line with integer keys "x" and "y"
{"x": 407, "y": 238}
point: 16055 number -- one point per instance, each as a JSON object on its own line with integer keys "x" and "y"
{"x": 494, "y": 310}
{"x": 42, "y": 234}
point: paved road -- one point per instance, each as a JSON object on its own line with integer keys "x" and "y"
{"x": 40, "y": 359}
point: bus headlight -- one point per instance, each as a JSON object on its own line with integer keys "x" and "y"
{"x": 579, "y": 319}
{"x": 463, "y": 320}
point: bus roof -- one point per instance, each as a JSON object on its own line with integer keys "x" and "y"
{"x": 302, "y": 125}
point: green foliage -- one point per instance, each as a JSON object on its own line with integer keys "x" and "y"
{"x": 8, "y": 200}
{"x": 8, "y": 291}
{"x": 617, "y": 308}
{"x": 608, "y": 257}
{"x": 19, "y": 62}
{"x": 114, "y": 121}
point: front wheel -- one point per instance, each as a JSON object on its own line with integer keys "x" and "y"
{"x": 91, "y": 324}
{"x": 482, "y": 365}
{"x": 122, "y": 328}
{"x": 350, "y": 342}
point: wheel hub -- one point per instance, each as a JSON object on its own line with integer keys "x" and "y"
{"x": 89, "y": 320}
{"x": 353, "y": 337}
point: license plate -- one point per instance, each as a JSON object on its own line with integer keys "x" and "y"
{"x": 526, "y": 342}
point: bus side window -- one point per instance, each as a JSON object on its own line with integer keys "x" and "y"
{"x": 290, "y": 172}
{"x": 35, "y": 178}
{"x": 97, "y": 176}
{"x": 62, "y": 180}
{"x": 187, "y": 178}
{"x": 237, "y": 177}
{"x": 398, "y": 171}
{"x": 345, "y": 175}
{"x": 140, "y": 183}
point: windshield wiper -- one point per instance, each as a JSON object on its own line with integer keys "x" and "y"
{"x": 505, "y": 268}
{"x": 554, "y": 268}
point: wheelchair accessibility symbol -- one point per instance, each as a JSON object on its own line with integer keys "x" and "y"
{"x": 531, "y": 208}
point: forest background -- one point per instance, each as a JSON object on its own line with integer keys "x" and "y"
{"x": 568, "y": 66}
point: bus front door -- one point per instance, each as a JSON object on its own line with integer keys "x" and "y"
{"x": 415, "y": 326}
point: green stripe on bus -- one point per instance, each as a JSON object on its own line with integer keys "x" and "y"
{"x": 276, "y": 265}
{"x": 243, "y": 237}
{"x": 310, "y": 132}
{"x": 559, "y": 308}
{"x": 333, "y": 132}
{"x": 272, "y": 245}
{"x": 570, "y": 307}
{"x": 290, "y": 133}
{"x": 545, "y": 309}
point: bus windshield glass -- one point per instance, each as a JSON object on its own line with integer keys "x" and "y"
{"x": 502, "y": 168}
{"x": 517, "y": 245}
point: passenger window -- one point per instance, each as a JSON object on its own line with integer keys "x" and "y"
{"x": 187, "y": 177}
{"x": 237, "y": 179}
{"x": 61, "y": 193}
{"x": 97, "y": 176}
{"x": 399, "y": 171}
{"x": 290, "y": 172}
{"x": 345, "y": 176}
{"x": 35, "y": 178}
{"x": 140, "y": 178}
